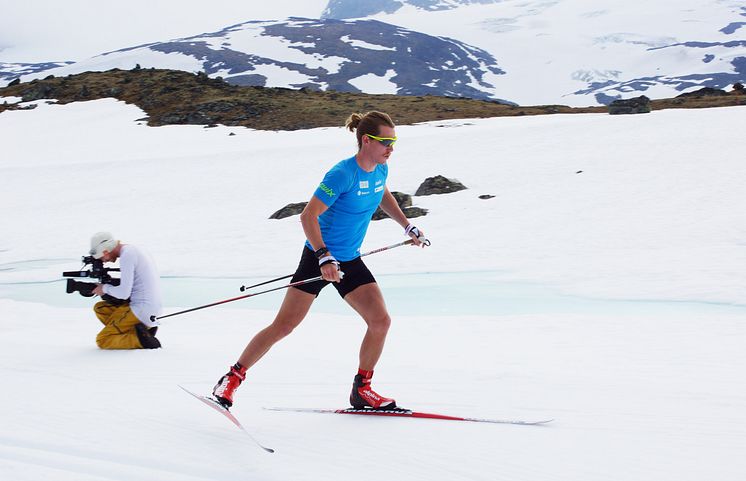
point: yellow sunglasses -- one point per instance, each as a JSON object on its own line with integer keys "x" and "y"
{"x": 385, "y": 141}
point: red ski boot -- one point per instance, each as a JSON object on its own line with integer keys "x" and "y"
{"x": 224, "y": 389}
{"x": 363, "y": 397}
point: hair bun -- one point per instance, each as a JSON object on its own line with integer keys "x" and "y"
{"x": 353, "y": 121}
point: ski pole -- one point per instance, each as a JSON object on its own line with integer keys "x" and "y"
{"x": 243, "y": 288}
{"x": 374, "y": 251}
{"x": 245, "y": 296}
{"x": 292, "y": 284}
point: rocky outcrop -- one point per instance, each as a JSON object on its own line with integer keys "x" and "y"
{"x": 704, "y": 92}
{"x": 637, "y": 105}
{"x": 439, "y": 185}
{"x": 288, "y": 210}
{"x": 405, "y": 204}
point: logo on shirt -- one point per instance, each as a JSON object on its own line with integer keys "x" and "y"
{"x": 363, "y": 184}
{"x": 326, "y": 190}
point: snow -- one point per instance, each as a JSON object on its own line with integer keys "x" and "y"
{"x": 253, "y": 40}
{"x": 363, "y": 44}
{"x": 542, "y": 44}
{"x": 10, "y": 100}
{"x": 376, "y": 84}
{"x": 602, "y": 286}
{"x": 128, "y": 60}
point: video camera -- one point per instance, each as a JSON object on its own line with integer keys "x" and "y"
{"x": 97, "y": 271}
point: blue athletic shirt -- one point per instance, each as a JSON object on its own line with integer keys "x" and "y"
{"x": 352, "y": 196}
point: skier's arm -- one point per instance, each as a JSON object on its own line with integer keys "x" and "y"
{"x": 309, "y": 219}
{"x": 391, "y": 207}
{"x": 127, "y": 278}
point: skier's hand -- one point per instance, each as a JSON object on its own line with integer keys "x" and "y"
{"x": 417, "y": 235}
{"x": 98, "y": 290}
{"x": 330, "y": 268}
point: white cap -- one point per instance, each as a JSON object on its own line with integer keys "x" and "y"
{"x": 102, "y": 241}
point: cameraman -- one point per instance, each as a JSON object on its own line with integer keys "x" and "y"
{"x": 127, "y": 324}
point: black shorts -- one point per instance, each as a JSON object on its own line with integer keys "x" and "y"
{"x": 356, "y": 274}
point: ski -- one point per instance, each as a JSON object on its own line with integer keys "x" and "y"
{"x": 408, "y": 413}
{"x": 214, "y": 404}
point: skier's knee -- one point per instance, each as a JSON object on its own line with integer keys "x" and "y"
{"x": 380, "y": 325}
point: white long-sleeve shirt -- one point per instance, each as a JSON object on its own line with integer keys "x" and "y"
{"x": 139, "y": 281}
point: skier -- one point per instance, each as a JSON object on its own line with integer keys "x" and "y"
{"x": 335, "y": 222}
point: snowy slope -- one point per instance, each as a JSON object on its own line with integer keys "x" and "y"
{"x": 578, "y": 53}
{"x": 601, "y": 286}
{"x": 12, "y": 71}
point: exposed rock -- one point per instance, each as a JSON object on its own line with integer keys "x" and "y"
{"x": 439, "y": 185}
{"x": 705, "y": 92}
{"x": 637, "y": 105}
{"x": 486, "y": 196}
{"x": 404, "y": 200}
{"x": 405, "y": 203}
{"x": 219, "y": 106}
{"x": 288, "y": 210}
{"x": 412, "y": 212}
{"x": 38, "y": 91}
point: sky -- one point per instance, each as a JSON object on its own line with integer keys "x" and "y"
{"x": 52, "y": 31}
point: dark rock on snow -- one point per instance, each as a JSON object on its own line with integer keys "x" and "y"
{"x": 439, "y": 185}
{"x": 637, "y": 105}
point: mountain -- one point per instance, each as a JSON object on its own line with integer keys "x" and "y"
{"x": 529, "y": 52}
{"x": 577, "y": 52}
{"x": 341, "y": 9}
{"x": 12, "y": 71}
{"x": 348, "y": 56}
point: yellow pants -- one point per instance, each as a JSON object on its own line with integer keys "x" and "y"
{"x": 119, "y": 331}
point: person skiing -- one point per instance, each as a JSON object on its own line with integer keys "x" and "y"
{"x": 335, "y": 221}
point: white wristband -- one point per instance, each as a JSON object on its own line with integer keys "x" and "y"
{"x": 327, "y": 259}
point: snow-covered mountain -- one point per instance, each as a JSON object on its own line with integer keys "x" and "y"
{"x": 350, "y": 56}
{"x": 12, "y": 71}
{"x": 354, "y": 9}
{"x": 525, "y": 51}
{"x": 577, "y": 52}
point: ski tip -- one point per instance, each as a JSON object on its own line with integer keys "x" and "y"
{"x": 537, "y": 423}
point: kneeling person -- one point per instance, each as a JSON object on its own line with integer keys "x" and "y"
{"x": 127, "y": 324}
